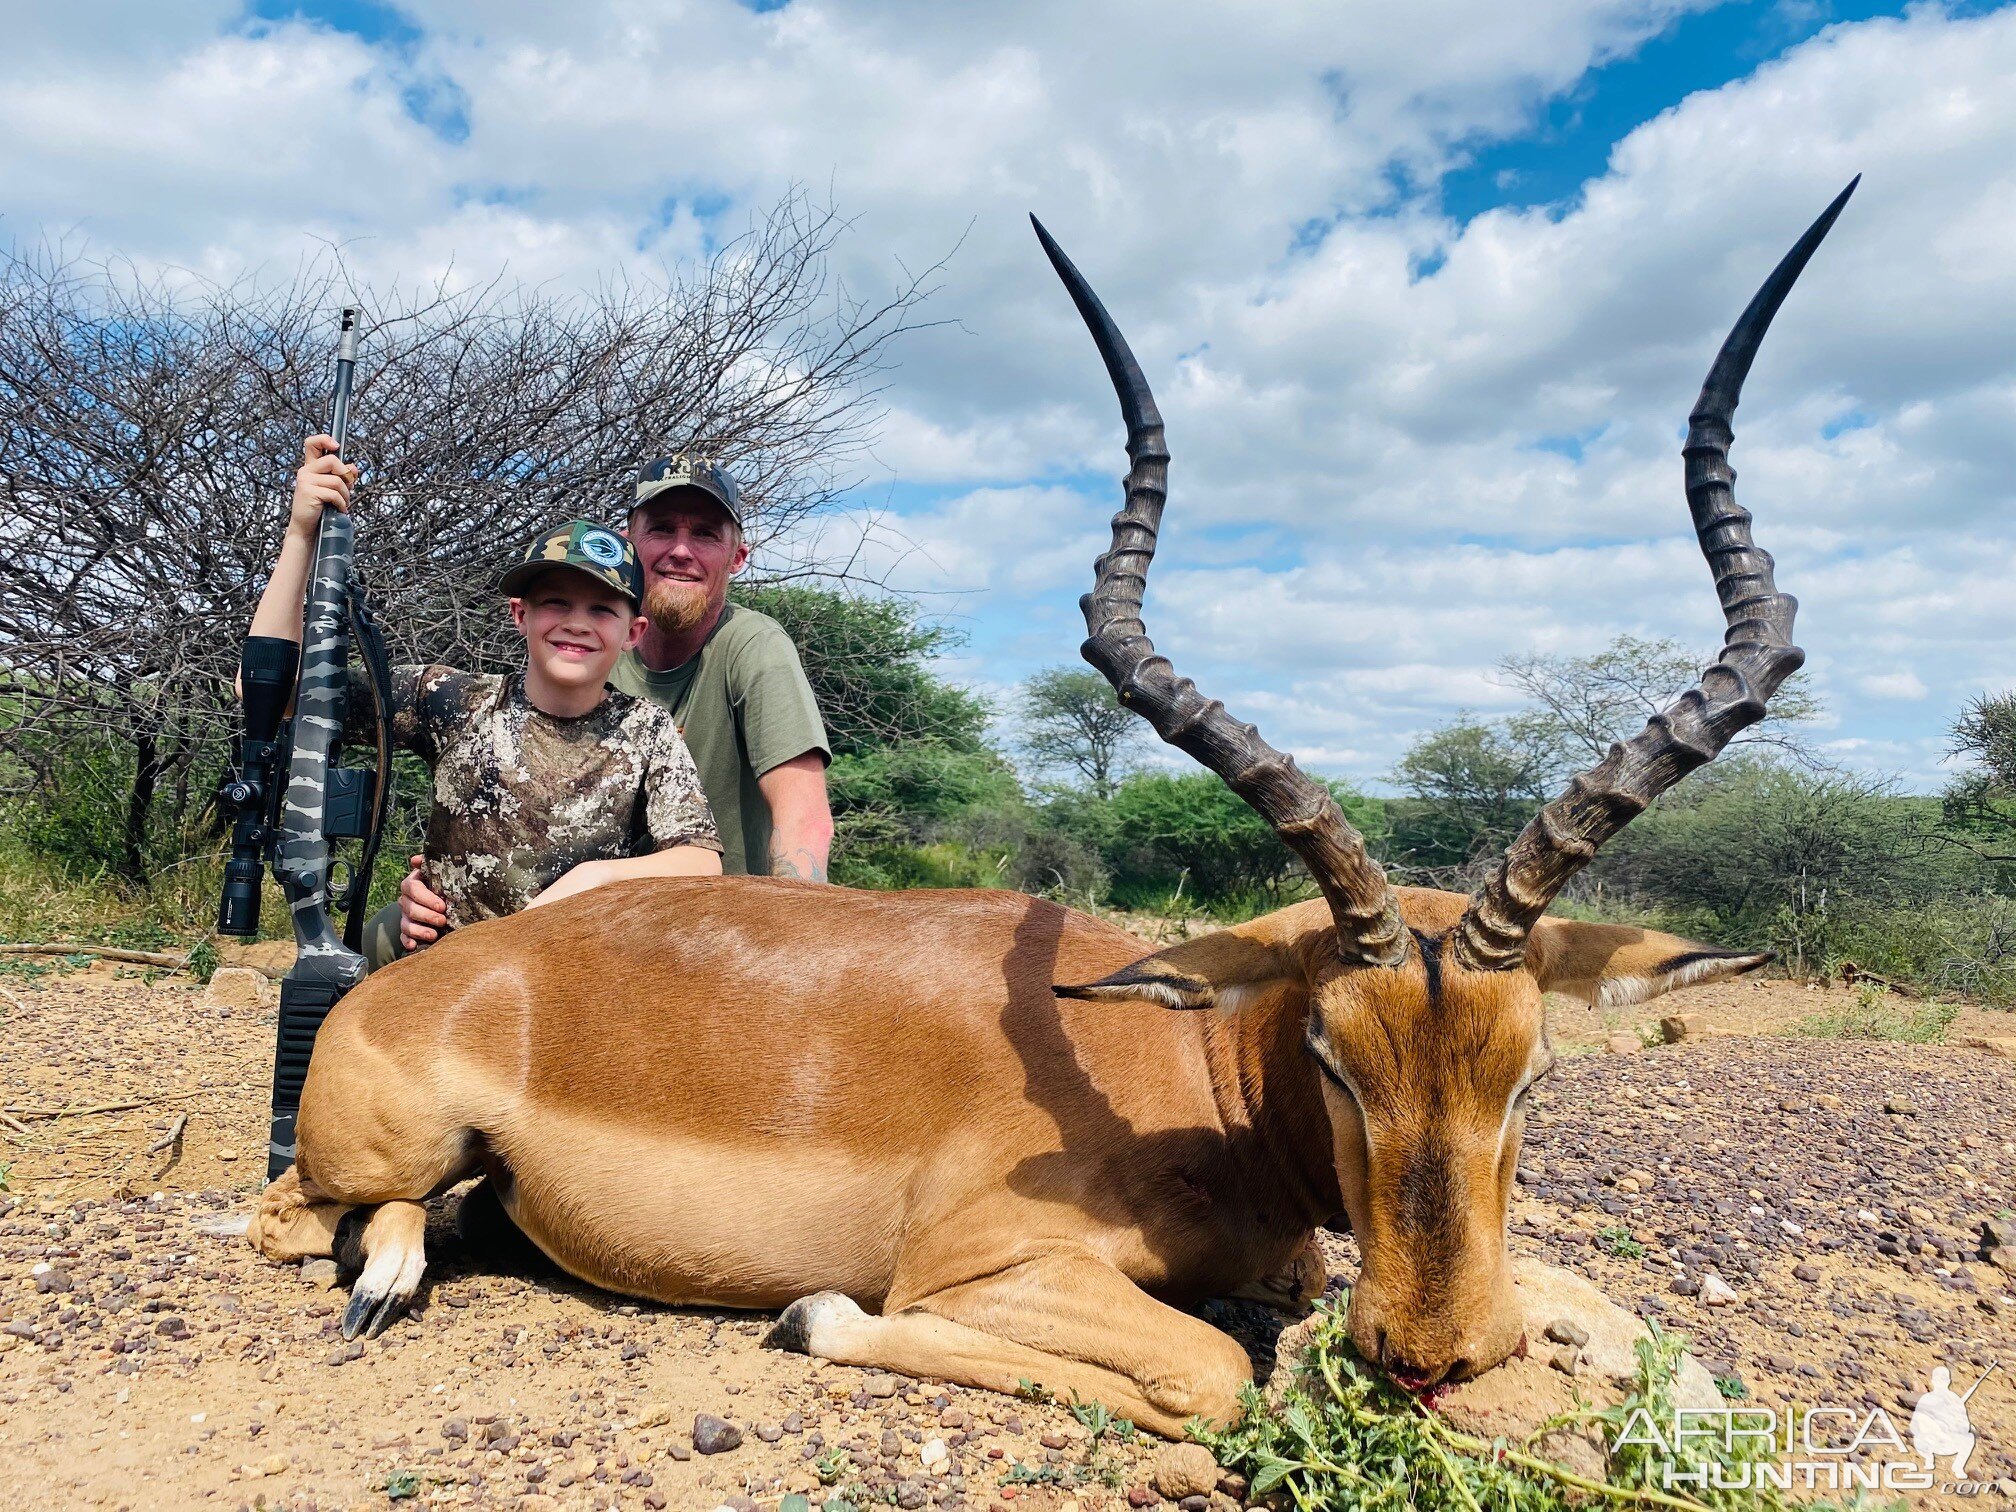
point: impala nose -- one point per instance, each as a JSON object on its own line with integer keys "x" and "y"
{"x": 1416, "y": 1375}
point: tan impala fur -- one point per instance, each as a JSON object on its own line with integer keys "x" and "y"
{"x": 741, "y": 1092}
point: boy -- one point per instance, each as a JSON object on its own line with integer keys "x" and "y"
{"x": 547, "y": 782}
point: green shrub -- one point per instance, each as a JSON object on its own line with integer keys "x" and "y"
{"x": 1879, "y": 1014}
{"x": 1166, "y": 830}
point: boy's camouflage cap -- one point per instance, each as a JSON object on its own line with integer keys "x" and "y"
{"x": 688, "y": 471}
{"x": 586, "y": 547}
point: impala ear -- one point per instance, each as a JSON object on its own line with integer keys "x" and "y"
{"x": 1615, "y": 965}
{"x": 1214, "y": 971}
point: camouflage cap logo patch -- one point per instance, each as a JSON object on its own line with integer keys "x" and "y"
{"x": 601, "y": 546}
{"x": 586, "y": 547}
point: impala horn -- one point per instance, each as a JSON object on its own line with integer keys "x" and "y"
{"x": 1298, "y": 808}
{"x": 1757, "y": 656}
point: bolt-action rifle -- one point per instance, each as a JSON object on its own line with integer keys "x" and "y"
{"x": 289, "y": 821}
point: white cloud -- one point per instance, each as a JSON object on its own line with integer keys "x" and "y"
{"x": 1906, "y": 685}
{"x": 1428, "y": 472}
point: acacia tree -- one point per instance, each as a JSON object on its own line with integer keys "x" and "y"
{"x": 1072, "y": 723}
{"x": 1473, "y": 786}
{"x": 1582, "y": 704}
{"x": 1980, "y": 804}
{"x": 150, "y": 425}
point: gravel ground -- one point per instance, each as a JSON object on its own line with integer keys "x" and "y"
{"x": 146, "y": 1363}
{"x": 1837, "y": 1188}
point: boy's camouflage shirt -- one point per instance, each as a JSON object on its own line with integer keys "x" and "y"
{"x": 520, "y": 796}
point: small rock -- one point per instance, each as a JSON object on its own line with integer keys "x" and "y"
{"x": 2003, "y": 1045}
{"x": 455, "y": 1430}
{"x": 1566, "y": 1358}
{"x": 1185, "y": 1470}
{"x": 1807, "y": 1271}
{"x": 1622, "y": 1043}
{"x": 883, "y": 1386}
{"x": 1683, "y": 1026}
{"x": 934, "y": 1452}
{"x": 54, "y": 1281}
{"x": 1998, "y": 1233}
{"x": 769, "y": 1432}
{"x": 1141, "y": 1496}
{"x": 320, "y": 1274}
{"x": 1565, "y": 1330}
{"x": 713, "y": 1435}
{"x": 1903, "y": 1107}
{"x": 239, "y": 987}
{"x": 1715, "y": 1292}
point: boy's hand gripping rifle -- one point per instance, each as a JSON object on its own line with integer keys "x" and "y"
{"x": 288, "y": 822}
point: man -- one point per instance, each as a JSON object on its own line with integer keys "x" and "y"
{"x": 730, "y": 676}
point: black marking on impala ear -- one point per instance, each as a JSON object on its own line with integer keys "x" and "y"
{"x": 1150, "y": 978}
{"x": 1682, "y": 970}
{"x": 1697, "y": 958}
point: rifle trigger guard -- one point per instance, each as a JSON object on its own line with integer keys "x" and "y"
{"x": 341, "y": 894}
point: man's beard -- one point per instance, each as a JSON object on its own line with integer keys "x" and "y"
{"x": 674, "y": 607}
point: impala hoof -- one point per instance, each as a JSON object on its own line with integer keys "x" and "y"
{"x": 371, "y": 1313}
{"x": 800, "y": 1326}
{"x": 397, "y": 1259}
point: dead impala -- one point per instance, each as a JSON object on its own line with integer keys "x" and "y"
{"x": 881, "y": 1113}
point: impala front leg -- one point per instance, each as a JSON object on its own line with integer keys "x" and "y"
{"x": 1066, "y": 1322}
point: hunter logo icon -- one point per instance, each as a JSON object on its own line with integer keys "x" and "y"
{"x": 1939, "y": 1423}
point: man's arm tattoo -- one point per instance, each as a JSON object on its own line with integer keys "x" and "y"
{"x": 799, "y": 863}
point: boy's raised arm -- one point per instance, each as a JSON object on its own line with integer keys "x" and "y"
{"x": 325, "y": 480}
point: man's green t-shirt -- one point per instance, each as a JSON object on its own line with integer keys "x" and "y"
{"x": 743, "y": 705}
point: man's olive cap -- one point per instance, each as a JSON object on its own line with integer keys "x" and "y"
{"x": 688, "y": 470}
{"x": 586, "y": 547}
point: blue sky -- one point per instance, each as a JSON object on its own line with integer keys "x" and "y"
{"x": 1425, "y": 292}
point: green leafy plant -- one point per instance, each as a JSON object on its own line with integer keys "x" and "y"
{"x": 1100, "y": 1420}
{"x": 1343, "y": 1436}
{"x": 1020, "y": 1474}
{"x": 202, "y": 962}
{"x": 1732, "y": 1388}
{"x": 401, "y": 1484}
{"x": 1616, "y": 1240}
{"x": 5, "y": 1172}
{"x": 832, "y": 1466}
{"x": 1030, "y": 1391}
{"x": 1105, "y": 1467}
